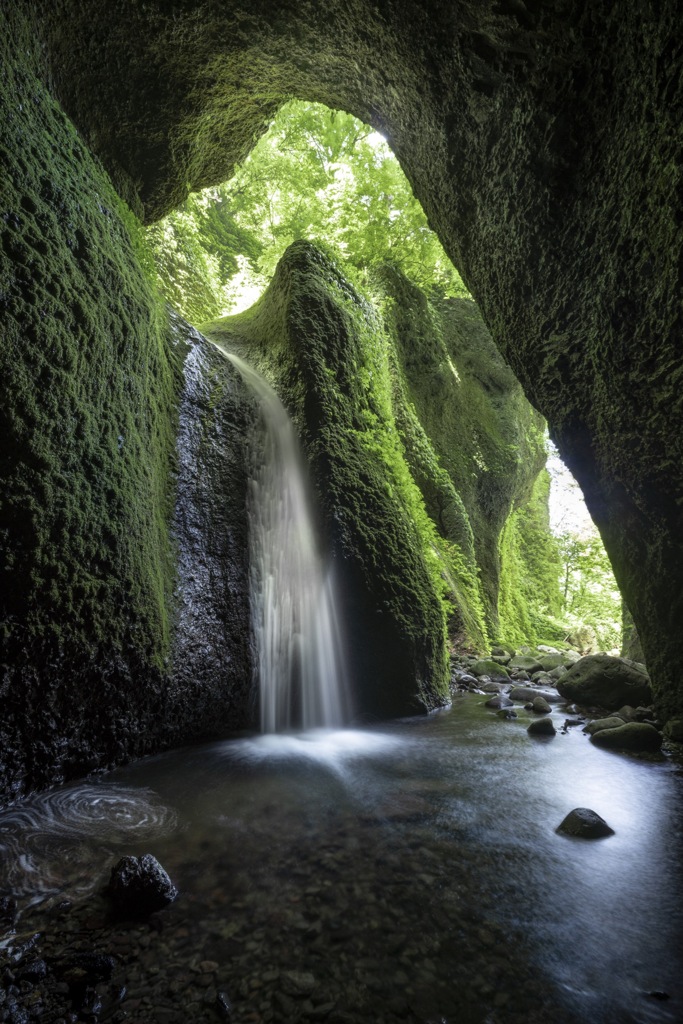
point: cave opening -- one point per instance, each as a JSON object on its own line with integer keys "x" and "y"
{"x": 390, "y": 872}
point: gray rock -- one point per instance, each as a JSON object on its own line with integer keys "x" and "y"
{"x": 540, "y": 705}
{"x": 543, "y": 678}
{"x": 542, "y": 727}
{"x": 526, "y": 663}
{"x": 527, "y": 694}
{"x": 633, "y": 736}
{"x": 673, "y": 730}
{"x": 500, "y": 701}
{"x": 552, "y": 661}
{"x": 139, "y": 885}
{"x": 584, "y": 824}
{"x": 468, "y": 679}
{"x": 485, "y": 667}
{"x": 598, "y": 724}
{"x": 501, "y": 659}
{"x": 558, "y": 672}
{"x": 491, "y": 687}
{"x": 606, "y": 681}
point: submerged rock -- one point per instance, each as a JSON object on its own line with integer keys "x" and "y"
{"x": 606, "y": 681}
{"x": 583, "y": 823}
{"x": 633, "y": 736}
{"x": 139, "y": 885}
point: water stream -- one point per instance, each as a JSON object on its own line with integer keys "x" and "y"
{"x": 300, "y": 664}
{"x": 412, "y": 873}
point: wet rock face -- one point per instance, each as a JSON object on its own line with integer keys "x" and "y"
{"x": 542, "y": 142}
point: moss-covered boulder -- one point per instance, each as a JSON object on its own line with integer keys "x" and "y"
{"x": 321, "y": 347}
{"x": 635, "y": 737}
{"x": 488, "y": 667}
{"x": 606, "y": 681}
{"x": 598, "y": 724}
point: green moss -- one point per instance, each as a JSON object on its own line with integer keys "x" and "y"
{"x": 326, "y": 352}
{"x": 529, "y": 597}
{"x": 474, "y": 443}
{"x": 88, "y": 390}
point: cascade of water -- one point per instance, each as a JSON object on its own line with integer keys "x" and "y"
{"x": 300, "y": 663}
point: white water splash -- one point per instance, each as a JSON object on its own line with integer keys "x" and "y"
{"x": 301, "y": 674}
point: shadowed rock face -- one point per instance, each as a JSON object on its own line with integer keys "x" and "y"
{"x": 543, "y": 141}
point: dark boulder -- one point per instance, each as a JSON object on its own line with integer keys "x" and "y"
{"x": 636, "y": 737}
{"x": 139, "y": 885}
{"x": 582, "y": 823}
{"x": 542, "y": 727}
{"x": 606, "y": 681}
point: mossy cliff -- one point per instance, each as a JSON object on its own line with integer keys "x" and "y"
{"x": 421, "y": 445}
{"x": 322, "y": 348}
{"x": 486, "y": 441}
{"x": 544, "y": 143}
{"x": 91, "y": 382}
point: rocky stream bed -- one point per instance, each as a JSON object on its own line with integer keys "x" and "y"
{"x": 412, "y": 872}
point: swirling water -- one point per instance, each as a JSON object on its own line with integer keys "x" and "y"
{"x": 300, "y": 664}
{"x": 413, "y": 870}
{"x": 53, "y": 844}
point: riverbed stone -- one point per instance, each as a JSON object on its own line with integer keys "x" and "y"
{"x": 486, "y": 667}
{"x": 527, "y": 694}
{"x": 542, "y": 727}
{"x": 635, "y": 737}
{"x": 673, "y": 730}
{"x": 138, "y": 886}
{"x": 584, "y": 823}
{"x": 527, "y": 663}
{"x": 499, "y": 701}
{"x": 491, "y": 686}
{"x": 606, "y": 681}
{"x": 598, "y": 724}
{"x": 540, "y": 705}
{"x": 552, "y": 661}
{"x": 297, "y": 983}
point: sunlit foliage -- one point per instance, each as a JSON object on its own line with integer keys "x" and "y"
{"x": 316, "y": 174}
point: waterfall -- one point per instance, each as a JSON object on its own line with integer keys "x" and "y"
{"x": 299, "y": 658}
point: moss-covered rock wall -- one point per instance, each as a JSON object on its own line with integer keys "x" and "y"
{"x": 544, "y": 143}
{"x": 322, "y": 348}
{"x": 93, "y": 664}
{"x": 487, "y": 440}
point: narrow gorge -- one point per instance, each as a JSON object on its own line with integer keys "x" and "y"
{"x": 281, "y": 599}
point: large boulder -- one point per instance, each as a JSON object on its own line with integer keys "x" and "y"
{"x": 606, "y": 681}
{"x": 486, "y": 667}
{"x": 636, "y": 737}
{"x": 525, "y": 662}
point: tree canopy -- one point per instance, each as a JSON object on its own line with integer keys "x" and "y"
{"x": 316, "y": 174}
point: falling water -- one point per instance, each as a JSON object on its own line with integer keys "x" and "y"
{"x": 299, "y": 653}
